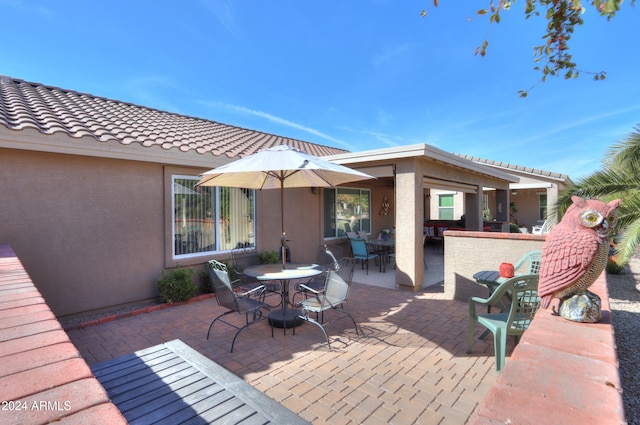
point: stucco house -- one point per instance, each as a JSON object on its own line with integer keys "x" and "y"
{"x": 529, "y": 198}
{"x": 98, "y": 196}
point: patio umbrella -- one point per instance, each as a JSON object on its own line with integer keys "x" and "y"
{"x": 280, "y": 167}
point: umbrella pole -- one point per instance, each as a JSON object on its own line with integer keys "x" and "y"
{"x": 283, "y": 239}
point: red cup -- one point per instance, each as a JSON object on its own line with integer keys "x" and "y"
{"x": 506, "y": 270}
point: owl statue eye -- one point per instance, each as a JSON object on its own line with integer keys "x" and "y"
{"x": 591, "y": 218}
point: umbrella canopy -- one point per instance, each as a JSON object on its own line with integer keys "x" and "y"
{"x": 280, "y": 167}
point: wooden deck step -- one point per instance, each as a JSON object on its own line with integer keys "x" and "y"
{"x": 172, "y": 383}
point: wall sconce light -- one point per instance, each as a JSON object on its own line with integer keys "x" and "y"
{"x": 514, "y": 192}
{"x": 314, "y": 190}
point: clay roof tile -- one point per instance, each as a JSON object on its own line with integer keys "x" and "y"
{"x": 52, "y": 110}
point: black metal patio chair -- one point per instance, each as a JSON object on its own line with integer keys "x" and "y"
{"x": 335, "y": 295}
{"x": 327, "y": 258}
{"x": 247, "y": 257}
{"x": 241, "y": 303}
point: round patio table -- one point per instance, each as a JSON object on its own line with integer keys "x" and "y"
{"x": 285, "y": 317}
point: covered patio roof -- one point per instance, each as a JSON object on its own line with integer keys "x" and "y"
{"x": 366, "y": 160}
{"x": 413, "y": 169}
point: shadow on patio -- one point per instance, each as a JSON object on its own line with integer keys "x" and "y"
{"x": 409, "y": 363}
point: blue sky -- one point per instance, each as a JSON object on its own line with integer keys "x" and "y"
{"x": 351, "y": 74}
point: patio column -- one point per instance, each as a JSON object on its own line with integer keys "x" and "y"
{"x": 473, "y": 210}
{"x": 409, "y": 225}
{"x": 502, "y": 208}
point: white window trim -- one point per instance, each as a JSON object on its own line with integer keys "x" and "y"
{"x": 216, "y": 219}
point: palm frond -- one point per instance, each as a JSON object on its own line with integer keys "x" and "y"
{"x": 628, "y": 242}
{"x": 625, "y": 154}
{"x": 619, "y": 178}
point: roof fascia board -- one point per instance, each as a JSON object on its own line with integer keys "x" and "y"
{"x": 33, "y": 140}
{"x": 531, "y": 185}
{"x": 419, "y": 151}
{"x": 532, "y": 172}
{"x": 562, "y": 178}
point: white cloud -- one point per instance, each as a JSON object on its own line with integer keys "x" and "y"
{"x": 391, "y": 54}
{"x": 28, "y": 7}
{"x": 223, "y": 11}
{"x": 278, "y": 120}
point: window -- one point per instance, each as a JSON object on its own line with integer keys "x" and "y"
{"x": 486, "y": 211}
{"x": 445, "y": 207}
{"x": 346, "y": 210}
{"x": 542, "y": 206}
{"x": 208, "y": 219}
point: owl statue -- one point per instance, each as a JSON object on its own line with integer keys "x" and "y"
{"x": 576, "y": 251}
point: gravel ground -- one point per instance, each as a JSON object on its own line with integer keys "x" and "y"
{"x": 624, "y": 297}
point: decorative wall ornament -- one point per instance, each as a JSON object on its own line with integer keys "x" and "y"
{"x": 385, "y": 208}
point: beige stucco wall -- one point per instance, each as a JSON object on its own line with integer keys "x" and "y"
{"x": 89, "y": 231}
{"x": 96, "y": 233}
{"x": 527, "y": 204}
{"x": 466, "y": 253}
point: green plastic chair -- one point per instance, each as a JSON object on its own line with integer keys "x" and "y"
{"x": 524, "y": 304}
{"x": 529, "y": 263}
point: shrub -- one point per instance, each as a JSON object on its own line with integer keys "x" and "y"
{"x": 268, "y": 257}
{"x": 205, "y": 281}
{"x": 176, "y": 286}
{"x": 514, "y": 228}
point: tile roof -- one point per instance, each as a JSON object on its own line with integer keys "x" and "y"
{"x": 51, "y": 110}
{"x": 517, "y": 168}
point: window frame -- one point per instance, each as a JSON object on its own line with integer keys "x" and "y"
{"x": 442, "y": 208}
{"x": 543, "y": 207}
{"x": 215, "y": 217}
{"x": 331, "y": 218}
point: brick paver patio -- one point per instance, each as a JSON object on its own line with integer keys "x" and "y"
{"x": 409, "y": 364}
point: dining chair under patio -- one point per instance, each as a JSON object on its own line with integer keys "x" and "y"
{"x": 234, "y": 302}
{"x": 327, "y": 258}
{"x": 360, "y": 252}
{"x": 334, "y": 297}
